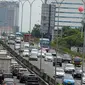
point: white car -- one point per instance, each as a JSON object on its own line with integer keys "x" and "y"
{"x": 17, "y": 46}
{"x": 26, "y": 45}
{"x": 83, "y": 78}
{"x": 18, "y": 40}
{"x": 41, "y": 53}
{"x": 48, "y": 57}
{"x": 11, "y": 42}
{"x": 69, "y": 68}
{"x": 34, "y": 51}
{"x": 25, "y": 53}
{"x": 59, "y": 72}
{"x": 33, "y": 56}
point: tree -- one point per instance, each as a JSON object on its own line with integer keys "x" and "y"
{"x": 71, "y": 37}
{"x": 36, "y": 31}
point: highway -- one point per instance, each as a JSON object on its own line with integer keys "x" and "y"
{"x": 14, "y": 77}
{"x": 48, "y": 67}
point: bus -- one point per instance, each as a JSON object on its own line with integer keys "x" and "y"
{"x": 19, "y": 35}
{"x": 44, "y": 43}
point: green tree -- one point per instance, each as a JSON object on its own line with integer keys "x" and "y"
{"x": 36, "y": 31}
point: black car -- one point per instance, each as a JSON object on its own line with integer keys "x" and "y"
{"x": 57, "y": 61}
{"x": 24, "y": 77}
{"x": 66, "y": 58}
{"x": 7, "y": 75}
{"x": 19, "y": 75}
{"x": 32, "y": 80}
{"x": 77, "y": 73}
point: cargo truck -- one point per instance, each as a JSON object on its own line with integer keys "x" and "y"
{"x": 5, "y": 62}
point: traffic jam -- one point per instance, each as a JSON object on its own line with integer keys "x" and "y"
{"x": 68, "y": 69}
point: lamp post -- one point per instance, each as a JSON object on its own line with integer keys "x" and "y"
{"x": 22, "y": 5}
{"x": 81, "y": 9}
{"x": 41, "y": 44}
{"x": 30, "y": 3}
{"x": 59, "y": 5}
{"x": 83, "y": 23}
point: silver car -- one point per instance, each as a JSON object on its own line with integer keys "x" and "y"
{"x": 69, "y": 68}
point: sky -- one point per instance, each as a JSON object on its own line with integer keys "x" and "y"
{"x": 35, "y": 17}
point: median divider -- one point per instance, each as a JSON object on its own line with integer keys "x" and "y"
{"x": 44, "y": 78}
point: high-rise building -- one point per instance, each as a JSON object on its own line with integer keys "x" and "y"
{"x": 69, "y": 14}
{"x": 47, "y": 19}
{"x": 9, "y": 16}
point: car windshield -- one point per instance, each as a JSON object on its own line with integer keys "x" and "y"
{"x": 69, "y": 65}
{"x": 23, "y": 70}
{"x": 34, "y": 50}
{"x": 68, "y": 77}
{"x": 48, "y": 54}
{"x": 26, "y": 50}
{"x": 10, "y": 83}
{"x": 8, "y": 76}
{"x": 31, "y": 78}
{"x": 59, "y": 70}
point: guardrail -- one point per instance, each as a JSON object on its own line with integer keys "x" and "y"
{"x": 44, "y": 78}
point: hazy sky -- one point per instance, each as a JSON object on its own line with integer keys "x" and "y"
{"x": 36, "y": 14}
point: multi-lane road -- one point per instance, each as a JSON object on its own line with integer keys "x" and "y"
{"x": 48, "y": 67}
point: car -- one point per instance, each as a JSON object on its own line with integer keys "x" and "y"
{"x": 25, "y": 53}
{"x": 17, "y": 46}
{"x": 34, "y": 50}
{"x": 69, "y": 68}
{"x": 18, "y": 40}
{"x": 53, "y": 52}
{"x": 68, "y": 80}
{"x": 26, "y": 45}
{"x": 24, "y": 77}
{"x": 15, "y": 69}
{"x": 41, "y": 53}
{"x": 7, "y": 75}
{"x": 12, "y": 42}
{"x": 66, "y": 58}
{"x": 48, "y": 57}
{"x": 33, "y": 56}
{"x": 57, "y": 60}
{"x": 8, "y": 81}
{"x": 20, "y": 72}
{"x": 83, "y": 78}
{"x": 77, "y": 73}
{"x": 59, "y": 72}
{"x": 32, "y": 80}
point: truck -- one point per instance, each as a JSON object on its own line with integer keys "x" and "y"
{"x": 27, "y": 37}
{"x": 5, "y": 62}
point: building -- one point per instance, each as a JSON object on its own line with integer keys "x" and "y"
{"x": 68, "y": 13}
{"x": 9, "y": 16}
{"x": 47, "y": 19}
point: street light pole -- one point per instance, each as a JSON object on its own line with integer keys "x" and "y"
{"x": 30, "y": 3}
{"x": 42, "y": 43}
{"x": 59, "y": 5}
{"x": 22, "y": 4}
